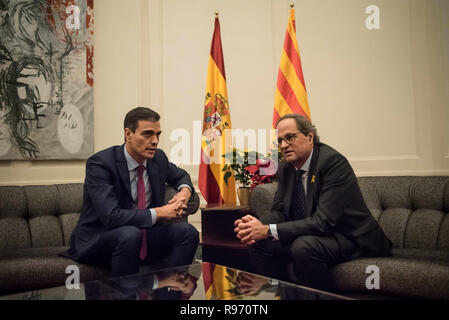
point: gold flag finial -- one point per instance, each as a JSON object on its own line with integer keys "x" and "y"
{"x": 292, "y": 5}
{"x": 216, "y": 13}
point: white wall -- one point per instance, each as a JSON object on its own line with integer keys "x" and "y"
{"x": 380, "y": 97}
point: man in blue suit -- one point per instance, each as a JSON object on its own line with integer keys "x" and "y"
{"x": 124, "y": 192}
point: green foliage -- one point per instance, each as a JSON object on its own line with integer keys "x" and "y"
{"x": 237, "y": 161}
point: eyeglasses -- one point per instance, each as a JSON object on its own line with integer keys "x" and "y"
{"x": 288, "y": 138}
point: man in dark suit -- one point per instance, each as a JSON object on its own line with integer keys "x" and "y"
{"x": 318, "y": 217}
{"x": 172, "y": 284}
{"x": 124, "y": 192}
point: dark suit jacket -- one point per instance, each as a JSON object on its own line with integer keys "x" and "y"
{"x": 129, "y": 288}
{"x": 107, "y": 200}
{"x": 334, "y": 205}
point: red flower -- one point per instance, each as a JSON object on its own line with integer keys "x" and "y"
{"x": 252, "y": 169}
{"x": 264, "y": 162}
{"x": 268, "y": 168}
{"x": 262, "y": 172}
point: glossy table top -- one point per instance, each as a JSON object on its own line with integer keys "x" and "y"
{"x": 199, "y": 281}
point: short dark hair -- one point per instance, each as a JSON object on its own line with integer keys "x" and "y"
{"x": 139, "y": 113}
{"x": 302, "y": 124}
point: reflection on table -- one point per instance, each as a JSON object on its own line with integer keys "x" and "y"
{"x": 199, "y": 281}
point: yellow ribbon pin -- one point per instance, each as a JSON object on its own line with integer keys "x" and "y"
{"x": 313, "y": 179}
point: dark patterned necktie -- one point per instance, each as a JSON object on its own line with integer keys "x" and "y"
{"x": 141, "y": 204}
{"x": 299, "y": 198}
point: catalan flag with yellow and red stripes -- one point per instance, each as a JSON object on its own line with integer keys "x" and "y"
{"x": 216, "y": 120}
{"x": 291, "y": 94}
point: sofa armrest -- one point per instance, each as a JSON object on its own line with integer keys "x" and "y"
{"x": 261, "y": 199}
{"x": 192, "y": 205}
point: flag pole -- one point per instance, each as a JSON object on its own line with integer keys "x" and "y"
{"x": 216, "y": 14}
{"x": 292, "y": 5}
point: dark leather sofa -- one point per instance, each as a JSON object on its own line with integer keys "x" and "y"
{"x": 35, "y": 226}
{"x": 413, "y": 211}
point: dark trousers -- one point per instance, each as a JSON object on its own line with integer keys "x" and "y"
{"x": 118, "y": 249}
{"x": 311, "y": 257}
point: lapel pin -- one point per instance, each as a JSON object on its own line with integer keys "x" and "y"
{"x": 313, "y": 179}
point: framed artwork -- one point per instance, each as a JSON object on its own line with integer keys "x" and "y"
{"x": 46, "y": 79}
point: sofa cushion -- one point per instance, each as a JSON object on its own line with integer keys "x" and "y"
{"x": 437, "y": 255}
{"x": 446, "y": 198}
{"x": 423, "y": 228}
{"x": 428, "y": 192}
{"x": 46, "y": 231}
{"x": 368, "y": 186}
{"x": 42, "y": 200}
{"x": 393, "y": 192}
{"x": 68, "y": 223}
{"x": 409, "y": 192}
{"x": 13, "y": 202}
{"x": 43, "y": 252}
{"x": 415, "y": 277}
{"x": 35, "y": 268}
{"x": 14, "y": 234}
{"x": 443, "y": 237}
{"x": 393, "y": 222}
{"x": 261, "y": 199}
{"x": 70, "y": 197}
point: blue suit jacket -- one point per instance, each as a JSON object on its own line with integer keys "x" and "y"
{"x": 107, "y": 200}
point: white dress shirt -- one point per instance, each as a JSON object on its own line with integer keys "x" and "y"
{"x": 133, "y": 177}
{"x": 305, "y": 167}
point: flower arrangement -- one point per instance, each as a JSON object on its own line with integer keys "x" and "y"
{"x": 250, "y": 168}
{"x": 262, "y": 172}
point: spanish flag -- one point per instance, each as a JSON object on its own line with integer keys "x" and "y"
{"x": 216, "y": 121}
{"x": 291, "y": 94}
{"x": 217, "y": 282}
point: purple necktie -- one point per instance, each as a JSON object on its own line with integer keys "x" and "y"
{"x": 141, "y": 204}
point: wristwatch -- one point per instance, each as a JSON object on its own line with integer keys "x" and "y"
{"x": 269, "y": 234}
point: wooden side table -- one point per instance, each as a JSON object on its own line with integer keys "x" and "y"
{"x": 219, "y": 242}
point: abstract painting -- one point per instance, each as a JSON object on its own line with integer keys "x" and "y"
{"x": 46, "y": 79}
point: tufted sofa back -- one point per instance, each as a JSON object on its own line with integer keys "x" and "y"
{"x": 38, "y": 216}
{"x": 45, "y": 215}
{"x": 412, "y": 211}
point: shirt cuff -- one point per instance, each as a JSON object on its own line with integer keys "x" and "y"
{"x": 274, "y": 231}
{"x": 184, "y": 185}
{"x": 153, "y": 216}
{"x": 155, "y": 282}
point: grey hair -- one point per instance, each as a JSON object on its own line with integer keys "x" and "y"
{"x": 302, "y": 124}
